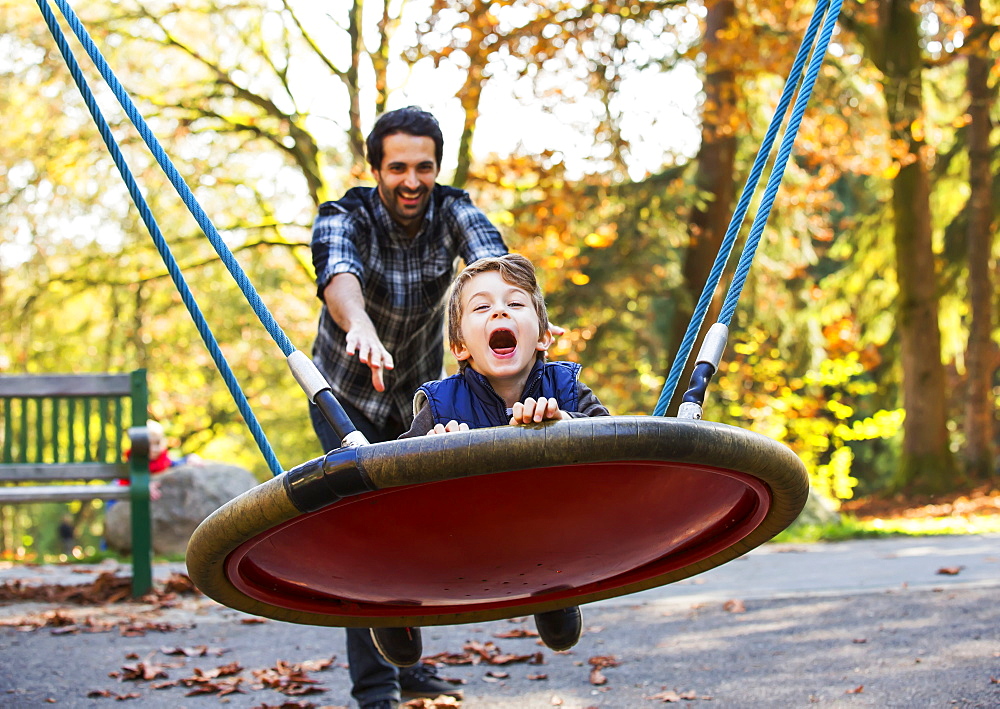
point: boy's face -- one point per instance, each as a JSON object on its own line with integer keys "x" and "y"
{"x": 499, "y": 326}
{"x": 406, "y": 177}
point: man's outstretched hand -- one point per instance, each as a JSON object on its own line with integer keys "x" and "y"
{"x": 365, "y": 342}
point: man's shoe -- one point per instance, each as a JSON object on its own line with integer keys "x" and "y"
{"x": 422, "y": 681}
{"x": 381, "y": 704}
{"x": 400, "y": 646}
{"x": 560, "y": 630}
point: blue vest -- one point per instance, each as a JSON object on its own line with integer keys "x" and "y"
{"x": 467, "y": 397}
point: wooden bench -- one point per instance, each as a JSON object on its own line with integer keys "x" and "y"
{"x": 63, "y": 437}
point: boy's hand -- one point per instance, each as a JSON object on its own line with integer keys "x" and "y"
{"x": 451, "y": 427}
{"x": 531, "y": 411}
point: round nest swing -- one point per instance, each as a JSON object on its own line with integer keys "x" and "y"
{"x": 496, "y": 523}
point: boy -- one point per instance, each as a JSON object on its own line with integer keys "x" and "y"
{"x": 498, "y": 329}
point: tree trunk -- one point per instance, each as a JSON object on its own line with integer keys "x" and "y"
{"x": 355, "y": 136}
{"x": 714, "y": 179}
{"x": 472, "y": 93}
{"x": 927, "y": 464}
{"x": 978, "y": 453}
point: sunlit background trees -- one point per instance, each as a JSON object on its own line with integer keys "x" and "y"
{"x": 609, "y": 141}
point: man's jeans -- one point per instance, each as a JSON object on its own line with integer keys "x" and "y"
{"x": 373, "y": 678}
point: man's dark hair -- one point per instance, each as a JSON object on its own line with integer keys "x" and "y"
{"x": 410, "y": 120}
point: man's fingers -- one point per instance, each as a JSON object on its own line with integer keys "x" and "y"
{"x": 377, "y": 380}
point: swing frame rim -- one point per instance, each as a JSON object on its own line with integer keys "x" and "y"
{"x": 445, "y": 457}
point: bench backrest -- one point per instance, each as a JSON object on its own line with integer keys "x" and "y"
{"x": 68, "y": 426}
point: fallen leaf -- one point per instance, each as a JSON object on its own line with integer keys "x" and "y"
{"x": 165, "y": 685}
{"x": 136, "y": 630}
{"x": 537, "y": 677}
{"x": 196, "y": 651}
{"x": 734, "y": 606}
{"x": 490, "y": 653}
{"x": 601, "y": 661}
{"x": 950, "y": 570}
{"x": 857, "y": 690}
{"x": 666, "y": 697}
{"x": 516, "y": 633}
{"x": 223, "y": 687}
{"x": 442, "y": 702}
{"x": 288, "y": 678}
{"x": 113, "y": 695}
{"x": 598, "y": 663}
{"x": 142, "y": 671}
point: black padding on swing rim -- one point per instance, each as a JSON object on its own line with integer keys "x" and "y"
{"x": 496, "y": 451}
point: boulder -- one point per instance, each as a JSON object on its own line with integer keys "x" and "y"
{"x": 819, "y": 511}
{"x": 188, "y": 494}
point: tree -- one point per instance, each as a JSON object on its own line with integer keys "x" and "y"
{"x": 979, "y": 454}
{"x": 890, "y": 32}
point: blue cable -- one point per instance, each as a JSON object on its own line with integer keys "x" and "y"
{"x": 172, "y": 267}
{"x": 778, "y": 171}
{"x": 739, "y": 214}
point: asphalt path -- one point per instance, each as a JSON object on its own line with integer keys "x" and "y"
{"x": 903, "y": 622}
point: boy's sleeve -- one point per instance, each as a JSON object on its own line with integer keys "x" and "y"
{"x": 588, "y": 404}
{"x": 423, "y": 422}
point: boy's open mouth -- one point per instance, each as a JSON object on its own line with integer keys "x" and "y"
{"x": 503, "y": 342}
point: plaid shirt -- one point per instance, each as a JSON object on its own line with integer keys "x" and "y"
{"x": 404, "y": 281}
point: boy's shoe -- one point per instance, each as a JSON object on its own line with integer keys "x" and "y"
{"x": 422, "y": 681}
{"x": 561, "y": 629}
{"x": 400, "y": 646}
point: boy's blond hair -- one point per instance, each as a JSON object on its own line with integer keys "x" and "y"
{"x": 513, "y": 269}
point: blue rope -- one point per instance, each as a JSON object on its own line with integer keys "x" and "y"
{"x": 778, "y": 171}
{"x": 739, "y": 214}
{"x": 172, "y": 267}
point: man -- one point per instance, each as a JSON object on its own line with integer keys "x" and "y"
{"x": 385, "y": 257}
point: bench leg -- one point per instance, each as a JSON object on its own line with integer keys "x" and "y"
{"x": 142, "y": 537}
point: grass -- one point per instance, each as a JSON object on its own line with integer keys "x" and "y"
{"x": 851, "y": 527}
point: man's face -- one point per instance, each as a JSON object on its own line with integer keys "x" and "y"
{"x": 406, "y": 177}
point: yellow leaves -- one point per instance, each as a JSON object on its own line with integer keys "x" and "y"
{"x": 891, "y": 170}
{"x": 602, "y": 237}
{"x": 961, "y": 121}
{"x": 882, "y": 424}
{"x": 580, "y": 279}
{"x": 837, "y": 476}
{"x": 839, "y": 410}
